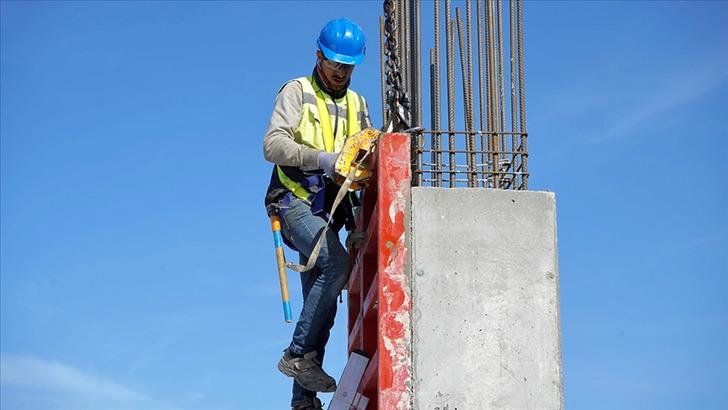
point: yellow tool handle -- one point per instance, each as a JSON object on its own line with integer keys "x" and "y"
{"x": 275, "y": 223}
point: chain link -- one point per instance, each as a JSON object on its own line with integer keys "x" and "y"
{"x": 396, "y": 96}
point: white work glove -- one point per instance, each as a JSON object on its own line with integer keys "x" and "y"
{"x": 327, "y": 162}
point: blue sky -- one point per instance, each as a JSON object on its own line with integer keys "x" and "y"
{"x": 137, "y": 268}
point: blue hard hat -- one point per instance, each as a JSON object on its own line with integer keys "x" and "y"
{"x": 342, "y": 40}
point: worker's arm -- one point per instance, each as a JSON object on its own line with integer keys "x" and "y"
{"x": 279, "y": 146}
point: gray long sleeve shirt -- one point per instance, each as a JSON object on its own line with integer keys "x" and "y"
{"x": 279, "y": 146}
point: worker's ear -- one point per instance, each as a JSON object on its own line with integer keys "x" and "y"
{"x": 319, "y": 55}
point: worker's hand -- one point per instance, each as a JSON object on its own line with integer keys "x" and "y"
{"x": 327, "y": 162}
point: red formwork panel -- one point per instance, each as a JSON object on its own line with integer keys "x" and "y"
{"x": 379, "y": 304}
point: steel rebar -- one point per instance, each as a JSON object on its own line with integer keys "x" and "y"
{"x": 522, "y": 98}
{"x": 433, "y": 109}
{"x": 513, "y": 57}
{"x": 416, "y": 83}
{"x": 450, "y": 56}
{"x": 436, "y": 138}
{"x": 492, "y": 93}
{"x": 400, "y": 40}
{"x": 383, "y": 74}
{"x": 489, "y": 148}
{"x": 416, "y": 62}
{"x": 464, "y": 77}
{"x": 404, "y": 44}
{"x": 502, "y": 159}
{"x": 481, "y": 91}
{"x": 471, "y": 104}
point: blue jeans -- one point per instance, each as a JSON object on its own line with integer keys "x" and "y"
{"x": 321, "y": 285}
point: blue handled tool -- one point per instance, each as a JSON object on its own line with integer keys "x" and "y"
{"x": 275, "y": 223}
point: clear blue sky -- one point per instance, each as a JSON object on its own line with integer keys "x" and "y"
{"x": 136, "y": 259}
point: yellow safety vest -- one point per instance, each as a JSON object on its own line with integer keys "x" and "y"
{"x": 315, "y": 129}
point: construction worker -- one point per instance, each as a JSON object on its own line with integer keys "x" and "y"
{"x": 312, "y": 117}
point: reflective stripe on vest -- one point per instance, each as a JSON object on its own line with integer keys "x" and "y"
{"x": 315, "y": 131}
{"x": 352, "y": 122}
{"x": 297, "y": 189}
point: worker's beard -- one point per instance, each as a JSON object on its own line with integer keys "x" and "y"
{"x": 321, "y": 81}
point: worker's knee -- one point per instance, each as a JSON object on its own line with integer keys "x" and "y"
{"x": 335, "y": 264}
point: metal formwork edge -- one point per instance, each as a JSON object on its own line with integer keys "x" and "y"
{"x": 394, "y": 309}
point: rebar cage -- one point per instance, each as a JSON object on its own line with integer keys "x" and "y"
{"x": 484, "y": 147}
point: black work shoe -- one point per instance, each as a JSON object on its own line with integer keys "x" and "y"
{"x": 307, "y": 371}
{"x": 311, "y": 403}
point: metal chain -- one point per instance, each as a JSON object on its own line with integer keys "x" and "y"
{"x": 397, "y": 99}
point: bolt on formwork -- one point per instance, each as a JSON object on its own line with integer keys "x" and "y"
{"x": 484, "y": 140}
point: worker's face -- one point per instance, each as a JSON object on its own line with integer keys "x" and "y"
{"x": 337, "y": 75}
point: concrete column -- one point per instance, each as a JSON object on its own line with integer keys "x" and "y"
{"x": 485, "y": 301}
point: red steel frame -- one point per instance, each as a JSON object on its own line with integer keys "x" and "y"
{"x": 379, "y": 296}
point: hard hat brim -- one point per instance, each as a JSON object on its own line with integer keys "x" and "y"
{"x": 340, "y": 58}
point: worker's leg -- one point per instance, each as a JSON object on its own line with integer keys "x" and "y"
{"x": 300, "y": 394}
{"x": 301, "y": 228}
{"x": 325, "y": 332}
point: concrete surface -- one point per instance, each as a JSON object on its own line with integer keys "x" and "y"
{"x": 485, "y": 300}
